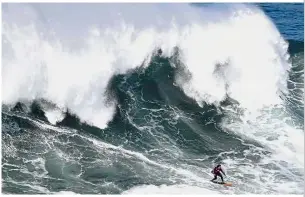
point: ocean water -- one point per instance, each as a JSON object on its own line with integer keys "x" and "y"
{"x": 148, "y": 98}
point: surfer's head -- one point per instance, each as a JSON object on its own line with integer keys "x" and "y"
{"x": 218, "y": 166}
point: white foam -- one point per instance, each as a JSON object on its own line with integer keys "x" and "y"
{"x": 65, "y": 193}
{"x": 253, "y": 57}
{"x": 284, "y": 141}
{"x": 54, "y": 116}
{"x": 73, "y": 68}
{"x": 75, "y": 76}
{"x": 171, "y": 189}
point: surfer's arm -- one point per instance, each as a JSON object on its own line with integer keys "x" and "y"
{"x": 223, "y": 172}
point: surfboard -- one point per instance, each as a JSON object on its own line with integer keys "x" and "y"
{"x": 225, "y": 184}
{"x": 228, "y": 184}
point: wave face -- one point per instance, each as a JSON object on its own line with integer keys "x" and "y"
{"x": 139, "y": 98}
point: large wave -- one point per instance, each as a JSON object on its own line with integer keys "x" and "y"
{"x": 224, "y": 58}
{"x": 141, "y": 80}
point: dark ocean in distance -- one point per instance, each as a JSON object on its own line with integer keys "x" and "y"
{"x": 148, "y": 98}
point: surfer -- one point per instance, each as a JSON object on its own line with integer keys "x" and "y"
{"x": 216, "y": 171}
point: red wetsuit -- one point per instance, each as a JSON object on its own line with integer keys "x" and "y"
{"x": 216, "y": 171}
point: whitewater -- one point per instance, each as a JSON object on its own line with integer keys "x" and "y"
{"x": 140, "y": 98}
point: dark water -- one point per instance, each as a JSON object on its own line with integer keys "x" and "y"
{"x": 163, "y": 136}
{"x": 288, "y": 19}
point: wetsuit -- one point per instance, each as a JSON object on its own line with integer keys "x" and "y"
{"x": 216, "y": 171}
